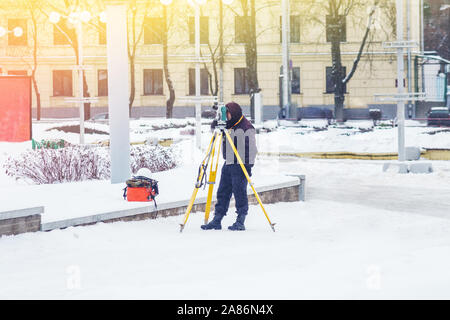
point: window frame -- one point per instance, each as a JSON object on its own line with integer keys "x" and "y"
{"x": 244, "y": 73}
{"x": 327, "y": 28}
{"x": 292, "y": 24}
{"x": 238, "y": 31}
{"x": 299, "y": 81}
{"x": 331, "y": 79}
{"x": 102, "y": 90}
{"x": 151, "y": 33}
{"x": 155, "y": 74}
{"x": 204, "y": 30}
{"x": 102, "y": 34}
{"x": 204, "y": 79}
{"x": 58, "y": 34}
{"x": 12, "y": 39}
{"x": 64, "y": 74}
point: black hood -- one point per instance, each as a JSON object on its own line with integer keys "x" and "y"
{"x": 236, "y": 113}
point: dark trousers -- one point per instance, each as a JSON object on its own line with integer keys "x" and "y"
{"x": 232, "y": 181}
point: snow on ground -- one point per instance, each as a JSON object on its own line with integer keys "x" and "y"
{"x": 321, "y": 249}
{"x": 315, "y": 138}
{"x": 354, "y": 243}
{"x": 361, "y": 234}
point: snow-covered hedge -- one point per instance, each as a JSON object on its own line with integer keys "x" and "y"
{"x": 80, "y": 163}
{"x": 155, "y": 158}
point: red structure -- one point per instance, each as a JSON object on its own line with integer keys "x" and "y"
{"x": 15, "y": 108}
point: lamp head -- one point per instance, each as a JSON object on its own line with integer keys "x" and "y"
{"x": 54, "y": 17}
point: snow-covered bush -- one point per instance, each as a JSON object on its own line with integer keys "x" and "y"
{"x": 74, "y": 163}
{"x": 156, "y": 158}
{"x": 80, "y": 163}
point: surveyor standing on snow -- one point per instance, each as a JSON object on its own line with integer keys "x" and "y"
{"x": 232, "y": 179}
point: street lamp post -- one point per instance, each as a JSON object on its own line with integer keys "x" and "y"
{"x": 285, "y": 47}
{"x": 198, "y": 98}
{"x": 400, "y": 77}
{"x": 77, "y": 18}
{"x": 198, "y": 104}
{"x": 118, "y": 90}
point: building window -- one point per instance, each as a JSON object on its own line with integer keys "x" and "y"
{"x": 12, "y": 39}
{"x": 102, "y": 83}
{"x": 62, "y": 83}
{"x": 62, "y": 34}
{"x": 153, "y": 29}
{"x": 241, "y": 28}
{"x": 204, "y": 82}
{"x": 337, "y": 25}
{"x": 102, "y": 33}
{"x": 204, "y": 30}
{"x": 330, "y": 85}
{"x": 295, "y": 82}
{"x": 17, "y": 73}
{"x": 241, "y": 85}
{"x": 153, "y": 82}
{"x": 294, "y": 29}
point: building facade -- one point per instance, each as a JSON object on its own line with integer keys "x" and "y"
{"x": 310, "y": 54}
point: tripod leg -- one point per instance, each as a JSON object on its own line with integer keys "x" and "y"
{"x": 272, "y": 225}
{"x": 212, "y": 179}
{"x": 203, "y": 168}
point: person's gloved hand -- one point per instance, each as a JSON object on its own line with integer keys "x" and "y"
{"x": 213, "y": 125}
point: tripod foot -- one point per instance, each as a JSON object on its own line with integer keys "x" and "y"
{"x": 272, "y": 225}
{"x": 181, "y": 228}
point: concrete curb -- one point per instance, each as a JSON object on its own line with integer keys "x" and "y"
{"x": 280, "y": 192}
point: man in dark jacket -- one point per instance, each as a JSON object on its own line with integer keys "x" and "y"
{"x": 232, "y": 179}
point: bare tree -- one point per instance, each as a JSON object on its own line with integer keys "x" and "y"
{"x": 65, "y": 8}
{"x": 135, "y": 34}
{"x": 337, "y": 12}
{"x": 437, "y": 27}
{"x": 34, "y": 8}
{"x": 216, "y": 52}
{"x": 165, "y": 34}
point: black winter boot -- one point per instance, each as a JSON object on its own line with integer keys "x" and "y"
{"x": 215, "y": 223}
{"x": 239, "y": 224}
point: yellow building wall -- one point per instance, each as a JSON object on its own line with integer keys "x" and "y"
{"x": 376, "y": 72}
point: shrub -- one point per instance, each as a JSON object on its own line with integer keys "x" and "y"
{"x": 80, "y": 163}
{"x": 45, "y": 166}
{"x": 155, "y": 158}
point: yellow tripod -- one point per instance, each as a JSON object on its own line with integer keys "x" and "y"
{"x": 216, "y": 142}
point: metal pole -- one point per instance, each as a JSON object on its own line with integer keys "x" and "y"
{"x": 400, "y": 77}
{"x": 411, "y": 109}
{"x": 80, "y": 78}
{"x": 422, "y": 44}
{"x": 221, "y": 94}
{"x": 285, "y": 47}
{"x": 198, "y": 105}
{"x": 118, "y": 90}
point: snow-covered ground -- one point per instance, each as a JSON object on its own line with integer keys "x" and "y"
{"x": 321, "y": 250}
{"x": 361, "y": 234}
{"x": 353, "y": 243}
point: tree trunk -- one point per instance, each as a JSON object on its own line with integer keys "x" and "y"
{"x": 33, "y": 73}
{"x": 132, "y": 83}
{"x": 87, "y": 106}
{"x": 338, "y": 76}
{"x": 170, "y": 102}
{"x": 38, "y": 97}
{"x": 251, "y": 49}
